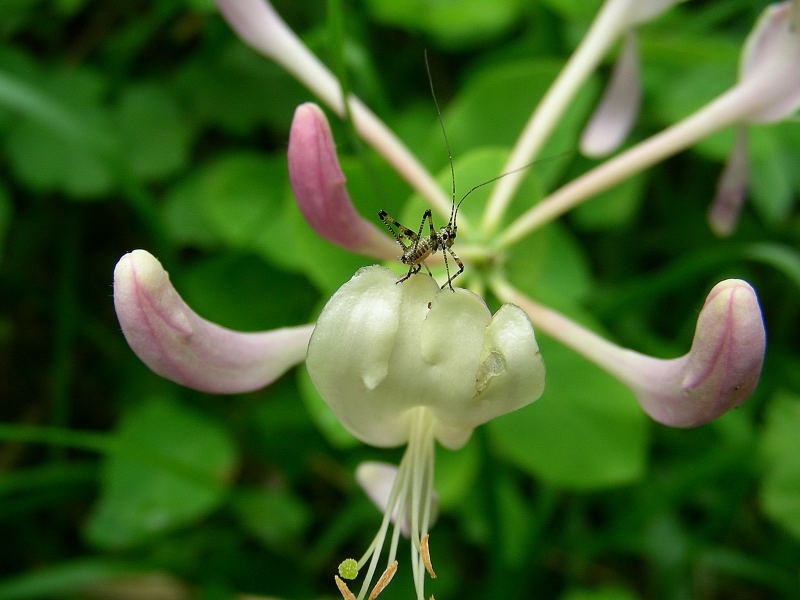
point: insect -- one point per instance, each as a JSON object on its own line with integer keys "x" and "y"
{"x": 416, "y": 248}
{"x": 419, "y": 248}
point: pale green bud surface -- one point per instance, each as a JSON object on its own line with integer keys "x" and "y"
{"x": 381, "y": 349}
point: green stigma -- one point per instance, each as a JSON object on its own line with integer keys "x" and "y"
{"x": 348, "y": 568}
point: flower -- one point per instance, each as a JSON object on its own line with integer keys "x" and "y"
{"x": 719, "y": 372}
{"x": 768, "y": 67}
{"x": 769, "y": 91}
{"x": 319, "y": 187}
{"x": 617, "y": 110}
{"x": 410, "y": 364}
{"x": 177, "y": 344}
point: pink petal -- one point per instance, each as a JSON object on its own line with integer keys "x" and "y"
{"x": 178, "y": 344}
{"x": 723, "y": 215}
{"x": 770, "y": 62}
{"x": 617, "y": 111}
{"x": 720, "y": 371}
{"x": 319, "y": 186}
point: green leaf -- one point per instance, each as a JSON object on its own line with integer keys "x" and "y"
{"x": 155, "y": 134}
{"x": 785, "y": 259}
{"x": 585, "y": 432}
{"x": 472, "y": 168}
{"x": 549, "y": 265}
{"x": 243, "y": 292}
{"x": 55, "y": 580}
{"x": 685, "y": 74}
{"x": 495, "y": 104}
{"x": 296, "y": 246}
{"x": 235, "y": 89}
{"x": 67, "y": 139}
{"x": 574, "y": 10}
{"x": 780, "y": 449}
{"x": 601, "y": 593}
{"x": 613, "y": 208}
{"x": 274, "y": 517}
{"x": 454, "y": 23}
{"x": 514, "y": 522}
{"x": 235, "y": 196}
{"x": 456, "y": 473}
{"x": 180, "y": 475}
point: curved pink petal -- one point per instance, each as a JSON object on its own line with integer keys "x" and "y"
{"x": 619, "y": 107}
{"x": 319, "y": 186}
{"x": 723, "y": 215}
{"x": 178, "y": 344}
{"x": 770, "y": 62}
{"x": 720, "y": 371}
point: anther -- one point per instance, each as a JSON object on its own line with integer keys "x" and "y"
{"x": 346, "y": 593}
{"x": 426, "y": 555}
{"x": 386, "y": 577}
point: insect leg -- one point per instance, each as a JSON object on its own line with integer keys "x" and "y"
{"x": 425, "y": 215}
{"x": 457, "y": 273}
{"x": 402, "y": 230}
{"x": 412, "y": 270}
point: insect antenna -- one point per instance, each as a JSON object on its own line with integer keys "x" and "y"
{"x": 511, "y": 172}
{"x": 453, "y": 209}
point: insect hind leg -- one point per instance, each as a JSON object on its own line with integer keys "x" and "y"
{"x": 402, "y": 231}
{"x": 449, "y": 282}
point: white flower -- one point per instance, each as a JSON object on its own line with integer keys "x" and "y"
{"x": 381, "y": 350}
{"x": 411, "y": 363}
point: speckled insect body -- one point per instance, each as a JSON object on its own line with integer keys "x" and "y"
{"x": 420, "y": 248}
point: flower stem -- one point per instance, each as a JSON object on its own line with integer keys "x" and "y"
{"x": 261, "y": 27}
{"x": 729, "y": 108}
{"x": 602, "y": 33}
{"x": 600, "y": 351}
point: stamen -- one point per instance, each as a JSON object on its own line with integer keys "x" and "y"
{"x": 384, "y": 580}
{"x": 346, "y": 593}
{"x": 348, "y": 568}
{"x": 426, "y": 555}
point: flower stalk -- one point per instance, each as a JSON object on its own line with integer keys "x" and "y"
{"x": 260, "y": 26}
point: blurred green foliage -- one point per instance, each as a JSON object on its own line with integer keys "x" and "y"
{"x": 148, "y": 124}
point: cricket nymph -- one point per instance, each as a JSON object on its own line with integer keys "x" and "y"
{"x": 420, "y": 248}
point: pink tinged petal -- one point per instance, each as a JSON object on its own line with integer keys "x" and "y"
{"x": 178, "y": 344}
{"x": 319, "y": 186}
{"x": 619, "y": 107}
{"x": 720, "y": 371}
{"x": 770, "y": 62}
{"x": 376, "y": 479}
{"x": 723, "y": 214}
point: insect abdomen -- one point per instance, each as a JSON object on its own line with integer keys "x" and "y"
{"x": 415, "y": 255}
